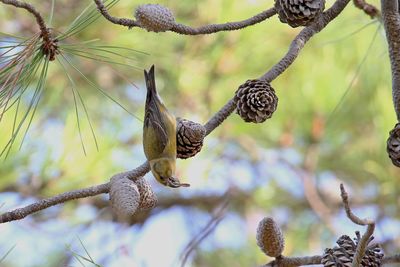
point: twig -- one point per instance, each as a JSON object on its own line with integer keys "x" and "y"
{"x": 302, "y": 38}
{"x": 362, "y": 244}
{"x": 21, "y": 213}
{"x": 391, "y": 259}
{"x": 228, "y": 26}
{"x": 187, "y": 30}
{"x": 310, "y": 189}
{"x": 294, "y": 261}
{"x": 391, "y": 21}
{"x": 220, "y": 116}
{"x": 368, "y": 9}
{"x": 120, "y": 21}
{"x": 206, "y": 231}
{"x": 31, "y": 9}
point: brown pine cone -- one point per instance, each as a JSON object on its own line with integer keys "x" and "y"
{"x": 124, "y": 197}
{"x": 270, "y": 238}
{"x": 393, "y": 145}
{"x": 342, "y": 255}
{"x": 189, "y": 138}
{"x": 299, "y": 12}
{"x": 256, "y": 101}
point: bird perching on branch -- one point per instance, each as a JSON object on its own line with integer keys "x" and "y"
{"x": 159, "y": 136}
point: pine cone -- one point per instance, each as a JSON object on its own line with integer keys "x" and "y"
{"x": 124, "y": 197}
{"x": 393, "y": 145}
{"x": 154, "y": 17}
{"x": 299, "y": 12}
{"x": 148, "y": 199}
{"x": 342, "y": 256}
{"x": 255, "y": 101}
{"x": 189, "y": 138}
{"x": 270, "y": 238}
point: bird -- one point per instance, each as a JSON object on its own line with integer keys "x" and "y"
{"x": 159, "y": 136}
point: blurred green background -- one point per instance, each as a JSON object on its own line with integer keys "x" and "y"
{"x": 331, "y": 125}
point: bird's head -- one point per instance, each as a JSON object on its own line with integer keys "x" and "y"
{"x": 163, "y": 170}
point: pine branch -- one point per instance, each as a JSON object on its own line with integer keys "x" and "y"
{"x": 212, "y": 124}
{"x": 39, "y": 19}
{"x": 294, "y": 261}
{"x": 21, "y": 213}
{"x": 302, "y": 38}
{"x": 187, "y": 30}
{"x": 391, "y": 21}
{"x": 368, "y": 9}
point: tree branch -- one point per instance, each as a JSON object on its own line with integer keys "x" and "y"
{"x": 120, "y": 21}
{"x": 391, "y": 259}
{"x": 294, "y": 261}
{"x": 187, "y": 30}
{"x": 362, "y": 244}
{"x": 302, "y": 38}
{"x": 220, "y": 116}
{"x": 31, "y": 9}
{"x": 391, "y": 21}
{"x": 228, "y": 26}
{"x": 213, "y": 123}
{"x": 21, "y": 213}
{"x": 368, "y": 9}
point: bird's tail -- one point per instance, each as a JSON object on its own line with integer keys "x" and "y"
{"x": 150, "y": 83}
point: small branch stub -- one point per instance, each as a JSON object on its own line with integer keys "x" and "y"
{"x": 299, "y": 12}
{"x": 256, "y": 101}
{"x": 154, "y": 17}
{"x": 342, "y": 255}
{"x": 393, "y": 145}
{"x": 189, "y": 138}
{"x": 270, "y": 238}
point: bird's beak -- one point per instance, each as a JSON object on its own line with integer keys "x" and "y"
{"x": 174, "y": 183}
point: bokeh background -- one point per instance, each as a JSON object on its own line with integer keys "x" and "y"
{"x": 331, "y": 125}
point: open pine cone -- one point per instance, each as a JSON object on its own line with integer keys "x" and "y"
{"x": 393, "y": 145}
{"x": 189, "y": 138}
{"x": 342, "y": 256}
{"x": 256, "y": 101}
{"x": 299, "y": 12}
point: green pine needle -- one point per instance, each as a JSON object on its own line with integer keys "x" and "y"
{"x": 24, "y": 71}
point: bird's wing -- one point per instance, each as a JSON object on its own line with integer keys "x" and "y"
{"x": 154, "y": 119}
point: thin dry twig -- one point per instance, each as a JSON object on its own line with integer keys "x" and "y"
{"x": 368, "y": 9}
{"x": 206, "y": 231}
{"x": 362, "y": 244}
{"x": 187, "y": 30}
{"x": 31, "y": 9}
{"x": 120, "y": 21}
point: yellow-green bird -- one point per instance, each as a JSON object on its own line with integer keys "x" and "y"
{"x": 159, "y": 135}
